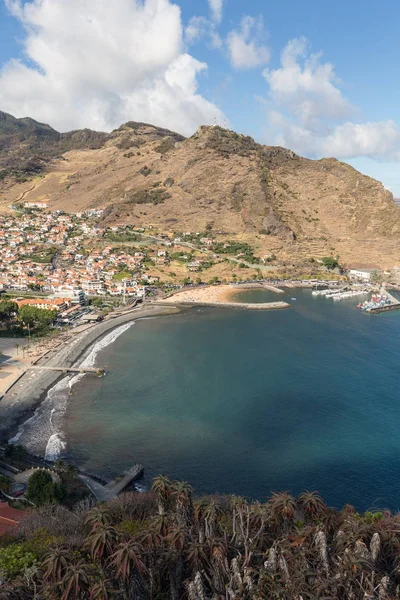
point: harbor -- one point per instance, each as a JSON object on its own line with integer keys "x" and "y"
{"x": 382, "y": 302}
{"x": 343, "y": 293}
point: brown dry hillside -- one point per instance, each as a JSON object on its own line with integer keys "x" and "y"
{"x": 279, "y": 202}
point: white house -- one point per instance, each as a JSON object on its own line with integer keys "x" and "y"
{"x": 360, "y": 274}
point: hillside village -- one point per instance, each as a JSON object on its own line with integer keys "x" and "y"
{"x": 66, "y": 257}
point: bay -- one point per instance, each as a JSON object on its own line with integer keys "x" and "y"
{"x": 250, "y": 402}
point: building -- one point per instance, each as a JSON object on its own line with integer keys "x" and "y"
{"x": 9, "y": 518}
{"x": 360, "y": 274}
{"x": 36, "y": 205}
{"x": 92, "y": 287}
{"x": 194, "y": 265}
{"x": 58, "y": 304}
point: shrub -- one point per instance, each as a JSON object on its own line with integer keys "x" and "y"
{"x": 15, "y": 559}
{"x": 42, "y": 489}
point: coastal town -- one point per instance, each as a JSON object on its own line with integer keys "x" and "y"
{"x": 65, "y": 257}
{"x": 69, "y": 256}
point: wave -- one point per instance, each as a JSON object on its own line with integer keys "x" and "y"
{"x": 42, "y": 433}
{"x": 54, "y": 447}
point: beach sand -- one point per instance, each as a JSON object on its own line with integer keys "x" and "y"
{"x": 28, "y": 387}
{"x": 222, "y": 295}
{"x": 206, "y": 294}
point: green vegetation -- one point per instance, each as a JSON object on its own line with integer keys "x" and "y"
{"x": 181, "y": 256}
{"x": 15, "y": 560}
{"x": 238, "y": 249}
{"x": 330, "y": 262}
{"x": 122, "y": 275}
{"x": 145, "y": 171}
{"x": 167, "y": 544}
{"x": 8, "y": 310}
{"x": 39, "y": 258}
{"x": 43, "y": 257}
{"x": 113, "y": 236}
{"x": 43, "y": 490}
{"x": 40, "y": 319}
{"x": 37, "y": 319}
{"x": 4, "y": 483}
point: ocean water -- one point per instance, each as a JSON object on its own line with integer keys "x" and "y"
{"x": 246, "y": 402}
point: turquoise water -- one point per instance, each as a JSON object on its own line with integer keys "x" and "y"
{"x": 248, "y": 402}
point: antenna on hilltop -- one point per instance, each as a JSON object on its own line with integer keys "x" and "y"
{"x": 215, "y": 122}
{"x": 225, "y": 123}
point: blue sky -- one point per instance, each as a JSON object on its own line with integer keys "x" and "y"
{"x": 321, "y": 78}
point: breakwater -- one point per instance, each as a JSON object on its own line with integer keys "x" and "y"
{"x": 233, "y": 305}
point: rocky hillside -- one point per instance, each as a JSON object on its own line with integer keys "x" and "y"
{"x": 295, "y": 208}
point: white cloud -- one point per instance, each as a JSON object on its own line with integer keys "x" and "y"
{"x": 306, "y": 87}
{"x": 246, "y": 47}
{"x": 309, "y": 113}
{"x": 216, "y": 10}
{"x": 98, "y": 63}
{"x": 199, "y": 28}
{"x": 375, "y": 140}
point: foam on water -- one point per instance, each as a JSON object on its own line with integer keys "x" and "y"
{"x": 42, "y": 433}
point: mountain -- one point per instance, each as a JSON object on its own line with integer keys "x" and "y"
{"x": 26, "y": 146}
{"x": 284, "y": 205}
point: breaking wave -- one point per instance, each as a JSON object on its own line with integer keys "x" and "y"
{"x": 42, "y": 434}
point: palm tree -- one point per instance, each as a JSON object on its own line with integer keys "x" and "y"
{"x": 75, "y": 581}
{"x": 163, "y": 488}
{"x": 312, "y": 505}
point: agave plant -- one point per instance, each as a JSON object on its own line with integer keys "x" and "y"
{"x": 101, "y": 540}
{"x": 75, "y": 582}
{"x": 182, "y": 494}
{"x": 55, "y": 563}
{"x": 163, "y": 487}
{"x": 99, "y": 516}
{"x": 312, "y": 505}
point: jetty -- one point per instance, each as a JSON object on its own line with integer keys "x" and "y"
{"x": 118, "y": 484}
{"x": 94, "y": 370}
{"x": 99, "y": 487}
{"x": 111, "y": 490}
{"x": 236, "y": 305}
{"x": 393, "y": 304}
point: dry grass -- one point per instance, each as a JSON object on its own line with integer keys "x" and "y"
{"x": 316, "y": 208}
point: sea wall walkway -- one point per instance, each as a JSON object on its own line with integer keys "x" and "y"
{"x": 238, "y": 305}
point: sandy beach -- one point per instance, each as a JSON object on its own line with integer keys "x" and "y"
{"x": 222, "y": 295}
{"x": 22, "y": 389}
